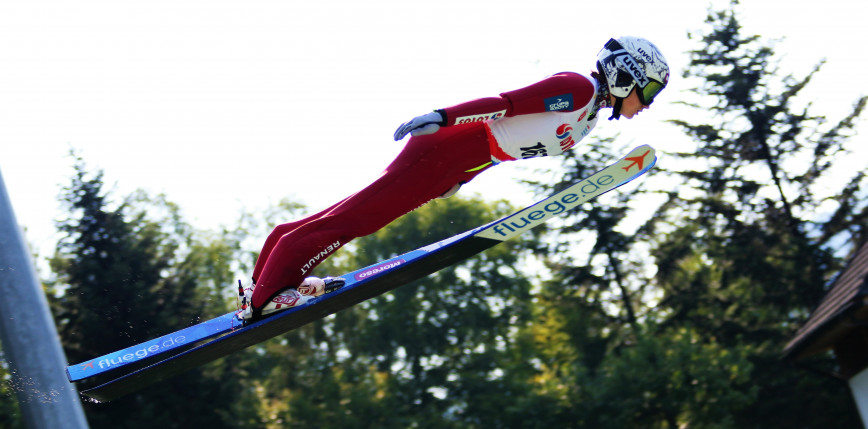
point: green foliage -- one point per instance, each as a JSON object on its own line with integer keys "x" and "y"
{"x": 127, "y": 274}
{"x": 432, "y": 353}
{"x": 10, "y": 416}
{"x": 674, "y": 378}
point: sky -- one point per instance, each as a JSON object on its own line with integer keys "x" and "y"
{"x": 230, "y": 105}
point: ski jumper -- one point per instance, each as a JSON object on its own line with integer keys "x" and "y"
{"x": 545, "y": 118}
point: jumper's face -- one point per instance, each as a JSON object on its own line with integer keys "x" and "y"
{"x": 631, "y": 105}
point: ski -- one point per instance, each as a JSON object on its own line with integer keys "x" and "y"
{"x": 171, "y": 354}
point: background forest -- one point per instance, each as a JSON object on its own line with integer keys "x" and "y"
{"x": 666, "y": 307}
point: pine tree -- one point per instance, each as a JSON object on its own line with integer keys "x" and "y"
{"x": 739, "y": 259}
{"x": 744, "y": 257}
{"x": 127, "y": 274}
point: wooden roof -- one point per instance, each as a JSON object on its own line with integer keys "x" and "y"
{"x": 844, "y": 304}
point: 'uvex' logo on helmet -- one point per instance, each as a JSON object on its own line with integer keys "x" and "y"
{"x": 630, "y": 65}
{"x": 647, "y": 56}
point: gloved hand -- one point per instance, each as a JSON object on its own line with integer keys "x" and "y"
{"x": 426, "y": 124}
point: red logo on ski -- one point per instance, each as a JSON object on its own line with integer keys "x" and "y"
{"x": 636, "y": 160}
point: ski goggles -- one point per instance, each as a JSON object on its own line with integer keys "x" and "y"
{"x": 651, "y": 89}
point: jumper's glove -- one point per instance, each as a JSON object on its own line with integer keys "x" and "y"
{"x": 428, "y": 123}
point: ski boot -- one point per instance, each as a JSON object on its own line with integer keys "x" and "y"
{"x": 310, "y": 288}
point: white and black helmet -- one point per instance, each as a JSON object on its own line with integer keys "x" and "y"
{"x": 629, "y": 62}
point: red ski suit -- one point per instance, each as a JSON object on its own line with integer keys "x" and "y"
{"x": 545, "y": 118}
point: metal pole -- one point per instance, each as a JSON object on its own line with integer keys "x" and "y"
{"x": 30, "y": 341}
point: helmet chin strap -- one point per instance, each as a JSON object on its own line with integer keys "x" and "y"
{"x": 616, "y": 109}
